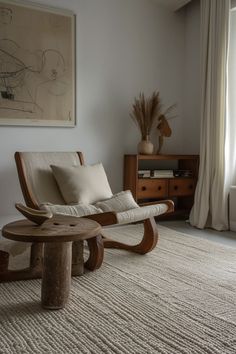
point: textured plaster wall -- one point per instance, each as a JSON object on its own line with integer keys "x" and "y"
{"x": 191, "y": 105}
{"x": 122, "y": 47}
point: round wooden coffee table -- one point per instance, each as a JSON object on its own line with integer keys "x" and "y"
{"x": 57, "y": 234}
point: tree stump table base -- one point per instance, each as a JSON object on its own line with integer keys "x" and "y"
{"x": 56, "y": 277}
{"x": 60, "y": 259}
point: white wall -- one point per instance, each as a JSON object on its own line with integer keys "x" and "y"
{"x": 191, "y": 106}
{"x": 123, "y": 47}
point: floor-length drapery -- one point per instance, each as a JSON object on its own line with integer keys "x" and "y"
{"x": 230, "y": 146}
{"x": 210, "y": 204}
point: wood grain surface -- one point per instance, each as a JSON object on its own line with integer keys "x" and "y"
{"x": 60, "y": 228}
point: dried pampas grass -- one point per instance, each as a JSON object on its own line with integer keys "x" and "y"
{"x": 145, "y": 111}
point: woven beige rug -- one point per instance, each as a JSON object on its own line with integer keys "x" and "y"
{"x": 181, "y": 298}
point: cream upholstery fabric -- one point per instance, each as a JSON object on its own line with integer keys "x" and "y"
{"x": 141, "y": 213}
{"x": 82, "y": 184}
{"x": 44, "y": 188}
{"x": 39, "y": 174}
{"x": 124, "y": 217}
{"x": 119, "y": 202}
{"x": 73, "y": 210}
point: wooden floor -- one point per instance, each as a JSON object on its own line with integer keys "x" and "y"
{"x": 223, "y": 237}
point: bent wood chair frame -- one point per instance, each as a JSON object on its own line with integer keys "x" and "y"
{"x": 147, "y": 244}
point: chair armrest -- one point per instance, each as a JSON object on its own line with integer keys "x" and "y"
{"x": 168, "y": 202}
{"x": 104, "y": 219}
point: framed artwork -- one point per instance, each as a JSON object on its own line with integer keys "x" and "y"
{"x": 37, "y": 65}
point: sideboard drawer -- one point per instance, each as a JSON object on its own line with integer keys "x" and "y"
{"x": 152, "y": 188}
{"x": 181, "y": 187}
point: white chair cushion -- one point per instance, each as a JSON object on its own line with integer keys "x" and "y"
{"x": 141, "y": 213}
{"x": 124, "y": 217}
{"x": 82, "y": 184}
{"x": 72, "y": 210}
{"x": 119, "y": 202}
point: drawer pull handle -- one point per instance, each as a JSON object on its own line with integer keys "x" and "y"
{"x": 159, "y": 188}
{"x": 175, "y": 188}
{"x": 144, "y": 188}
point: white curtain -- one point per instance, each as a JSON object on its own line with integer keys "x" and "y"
{"x": 230, "y": 148}
{"x": 210, "y": 205}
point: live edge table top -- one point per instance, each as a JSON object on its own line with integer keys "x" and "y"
{"x": 60, "y": 228}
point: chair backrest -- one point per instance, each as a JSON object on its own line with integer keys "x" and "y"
{"x": 36, "y": 179}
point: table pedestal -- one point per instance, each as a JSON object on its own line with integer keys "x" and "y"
{"x": 54, "y": 240}
{"x": 56, "y": 277}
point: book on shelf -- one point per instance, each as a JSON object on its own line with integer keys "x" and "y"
{"x": 162, "y": 174}
{"x": 144, "y": 173}
{"x": 165, "y": 173}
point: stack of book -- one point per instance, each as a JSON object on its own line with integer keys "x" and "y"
{"x": 144, "y": 173}
{"x": 183, "y": 173}
{"x": 163, "y": 174}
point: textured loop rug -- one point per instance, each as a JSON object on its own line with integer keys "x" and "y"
{"x": 180, "y": 298}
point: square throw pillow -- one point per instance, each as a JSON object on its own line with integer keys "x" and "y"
{"x": 119, "y": 202}
{"x": 82, "y": 184}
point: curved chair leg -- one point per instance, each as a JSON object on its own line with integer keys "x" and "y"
{"x": 147, "y": 244}
{"x": 96, "y": 253}
{"x": 34, "y": 271}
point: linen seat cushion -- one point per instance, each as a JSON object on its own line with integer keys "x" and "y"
{"x": 119, "y": 202}
{"x": 82, "y": 184}
{"x": 141, "y": 213}
{"x": 123, "y": 217}
{"x": 72, "y": 210}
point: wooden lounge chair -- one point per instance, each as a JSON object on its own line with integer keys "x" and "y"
{"x": 39, "y": 186}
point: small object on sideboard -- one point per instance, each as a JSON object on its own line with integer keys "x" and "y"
{"x": 183, "y": 173}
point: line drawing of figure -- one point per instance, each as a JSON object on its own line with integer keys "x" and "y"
{"x": 33, "y": 84}
{"x": 53, "y": 71}
{"x": 5, "y": 15}
{"x": 48, "y": 67}
{"x": 14, "y": 93}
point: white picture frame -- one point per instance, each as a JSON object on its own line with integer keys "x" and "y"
{"x": 37, "y": 65}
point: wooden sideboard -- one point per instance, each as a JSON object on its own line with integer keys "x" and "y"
{"x": 179, "y": 189}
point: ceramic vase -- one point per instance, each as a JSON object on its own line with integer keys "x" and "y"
{"x": 145, "y": 147}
